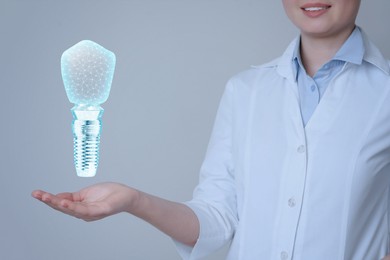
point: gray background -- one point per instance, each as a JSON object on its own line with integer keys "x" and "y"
{"x": 173, "y": 60}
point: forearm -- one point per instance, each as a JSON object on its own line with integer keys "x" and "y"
{"x": 174, "y": 219}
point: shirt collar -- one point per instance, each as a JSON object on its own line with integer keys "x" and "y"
{"x": 371, "y": 55}
{"x": 351, "y": 51}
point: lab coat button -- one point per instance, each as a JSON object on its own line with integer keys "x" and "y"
{"x": 291, "y": 202}
{"x": 301, "y": 149}
{"x": 284, "y": 255}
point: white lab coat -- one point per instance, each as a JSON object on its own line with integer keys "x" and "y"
{"x": 280, "y": 190}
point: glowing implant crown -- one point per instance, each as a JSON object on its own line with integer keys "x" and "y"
{"x": 87, "y": 71}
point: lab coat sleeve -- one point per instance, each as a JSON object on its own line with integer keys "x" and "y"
{"x": 214, "y": 200}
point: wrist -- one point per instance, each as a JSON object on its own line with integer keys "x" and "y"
{"x": 133, "y": 198}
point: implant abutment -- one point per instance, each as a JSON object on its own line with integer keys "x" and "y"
{"x": 86, "y": 128}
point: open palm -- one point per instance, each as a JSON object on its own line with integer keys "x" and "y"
{"x": 91, "y": 203}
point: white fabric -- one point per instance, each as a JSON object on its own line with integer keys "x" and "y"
{"x": 280, "y": 190}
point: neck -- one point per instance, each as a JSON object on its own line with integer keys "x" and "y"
{"x": 316, "y": 51}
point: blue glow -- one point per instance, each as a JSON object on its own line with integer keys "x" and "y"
{"x": 87, "y": 71}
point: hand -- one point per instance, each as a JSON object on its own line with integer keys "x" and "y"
{"x": 91, "y": 203}
{"x": 101, "y": 200}
{"x": 386, "y": 257}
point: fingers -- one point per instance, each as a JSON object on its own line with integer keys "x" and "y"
{"x": 65, "y": 195}
{"x": 58, "y": 202}
{"x": 43, "y": 196}
{"x": 70, "y": 204}
{"x": 37, "y": 194}
{"x": 53, "y": 201}
{"x": 58, "y": 199}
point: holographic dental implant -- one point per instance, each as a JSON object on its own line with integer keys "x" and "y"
{"x": 87, "y": 71}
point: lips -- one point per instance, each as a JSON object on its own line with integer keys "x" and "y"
{"x": 315, "y": 9}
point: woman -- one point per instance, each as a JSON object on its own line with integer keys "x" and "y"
{"x": 298, "y": 164}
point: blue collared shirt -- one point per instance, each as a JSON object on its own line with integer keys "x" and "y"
{"x": 311, "y": 89}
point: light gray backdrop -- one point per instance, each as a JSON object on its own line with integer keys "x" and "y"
{"x": 173, "y": 60}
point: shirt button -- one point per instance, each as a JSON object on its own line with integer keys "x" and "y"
{"x": 301, "y": 149}
{"x": 284, "y": 255}
{"x": 313, "y": 88}
{"x": 291, "y": 203}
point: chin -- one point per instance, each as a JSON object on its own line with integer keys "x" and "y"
{"x": 317, "y": 31}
